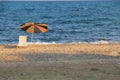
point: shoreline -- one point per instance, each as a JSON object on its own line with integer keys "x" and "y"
{"x": 79, "y": 42}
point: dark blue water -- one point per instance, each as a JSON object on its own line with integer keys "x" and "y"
{"x": 67, "y": 21}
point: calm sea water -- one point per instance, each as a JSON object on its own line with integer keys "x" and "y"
{"x": 67, "y": 21}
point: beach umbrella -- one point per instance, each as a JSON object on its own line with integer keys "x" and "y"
{"x": 32, "y": 27}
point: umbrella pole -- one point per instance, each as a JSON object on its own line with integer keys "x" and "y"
{"x": 32, "y": 37}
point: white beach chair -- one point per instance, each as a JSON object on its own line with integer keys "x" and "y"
{"x": 22, "y": 41}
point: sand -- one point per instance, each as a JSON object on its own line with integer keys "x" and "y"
{"x": 12, "y": 53}
{"x": 77, "y": 61}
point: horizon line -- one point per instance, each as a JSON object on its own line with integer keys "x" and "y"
{"x": 59, "y": 0}
{"x": 44, "y": 0}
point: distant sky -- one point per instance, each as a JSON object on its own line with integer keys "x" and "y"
{"x": 58, "y": 0}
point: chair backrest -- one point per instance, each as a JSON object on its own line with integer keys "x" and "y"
{"x": 22, "y": 41}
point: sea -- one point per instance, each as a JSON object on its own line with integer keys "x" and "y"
{"x": 68, "y": 21}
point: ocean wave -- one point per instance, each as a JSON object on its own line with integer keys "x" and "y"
{"x": 80, "y": 42}
{"x": 47, "y": 17}
{"x": 46, "y": 43}
{"x": 96, "y": 42}
{"x": 100, "y": 42}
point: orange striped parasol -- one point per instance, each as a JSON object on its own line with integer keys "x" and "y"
{"x": 32, "y": 27}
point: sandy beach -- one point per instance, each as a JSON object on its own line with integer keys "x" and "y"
{"x": 78, "y": 61}
{"x": 12, "y": 53}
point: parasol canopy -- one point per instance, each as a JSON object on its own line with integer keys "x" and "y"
{"x": 32, "y": 27}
